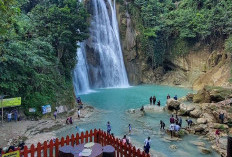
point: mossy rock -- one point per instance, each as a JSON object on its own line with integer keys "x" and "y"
{"x": 211, "y": 94}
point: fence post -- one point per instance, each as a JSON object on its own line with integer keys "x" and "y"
{"x": 25, "y": 151}
{"x": 91, "y": 136}
{"x": 32, "y": 150}
{"x": 51, "y": 148}
{"x": 138, "y": 152}
{"x": 134, "y": 151}
{"x": 117, "y": 146}
{"x": 86, "y": 136}
{"x": 144, "y": 154}
{"x": 62, "y": 142}
{"x": 45, "y": 149}
{"x": 77, "y": 139}
{"x": 57, "y": 147}
{"x": 96, "y": 136}
{"x": 67, "y": 140}
{"x": 82, "y": 137}
{"x": 39, "y": 149}
{"x": 72, "y": 140}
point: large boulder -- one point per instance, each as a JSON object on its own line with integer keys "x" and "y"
{"x": 200, "y": 128}
{"x": 230, "y": 132}
{"x": 212, "y": 94}
{"x": 183, "y": 110}
{"x": 220, "y": 126}
{"x": 195, "y": 113}
{"x": 198, "y": 143}
{"x": 190, "y": 108}
{"x": 173, "y": 104}
{"x": 190, "y": 96}
{"x": 201, "y": 121}
{"x": 204, "y": 150}
{"x": 210, "y": 118}
{"x": 186, "y": 109}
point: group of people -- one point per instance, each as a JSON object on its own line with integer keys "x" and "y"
{"x": 175, "y": 124}
{"x": 12, "y": 147}
{"x": 69, "y": 120}
{"x": 15, "y": 115}
{"x": 175, "y": 97}
{"x": 153, "y": 101}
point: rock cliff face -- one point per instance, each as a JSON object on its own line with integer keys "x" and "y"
{"x": 132, "y": 57}
{"x": 200, "y": 67}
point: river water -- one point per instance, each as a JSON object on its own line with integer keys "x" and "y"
{"x": 114, "y": 103}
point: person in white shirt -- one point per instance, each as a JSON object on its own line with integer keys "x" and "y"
{"x": 9, "y": 116}
{"x": 171, "y": 128}
{"x": 79, "y": 113}
{"x": 147, "y": 144}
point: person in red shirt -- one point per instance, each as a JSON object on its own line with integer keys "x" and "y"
{"x": 217, "y": 134}
{"x": 172, "y": 120}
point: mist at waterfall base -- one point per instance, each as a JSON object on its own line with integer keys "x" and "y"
{"x": 108, "y": 70}
{"x": 113, "y": 105}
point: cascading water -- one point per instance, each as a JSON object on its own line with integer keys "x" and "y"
{"x": 81, "y": 79}
{"x": 103, "y": 55}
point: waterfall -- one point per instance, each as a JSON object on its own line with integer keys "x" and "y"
{"x": 81, "y": 79}
{"x": 102, "y": 53}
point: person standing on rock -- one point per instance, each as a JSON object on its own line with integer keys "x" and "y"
{"x": 55, "y": 114}
{"x": 147, "y": 144}
{"x": 180, "y": 121}
{"x": 172, "y": 120}
{"x": 171, "y": 128}
{"x": 162, "y": 125}
{"x": 175, "y": 97}
{"x": 70, "y": 120}
{"x": 130, "y": 129}
{"x": 108, "y": 127}
{"x": 151, "y": 100}
{"x": 154, "y": 100}
{"x": 177, "y": 119}
{"x": 190, "y": 122}
{"x": 221, "y": 117}
{"x": 217, "y": 134}
{"x": 168, "y": 96}
{"x": 79, "y": 113}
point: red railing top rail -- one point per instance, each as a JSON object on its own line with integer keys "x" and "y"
{"x": 98, "y": 135}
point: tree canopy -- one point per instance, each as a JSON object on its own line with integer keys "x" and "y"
{"x": 180, "y": 23}
{"x": 38, "y": 43}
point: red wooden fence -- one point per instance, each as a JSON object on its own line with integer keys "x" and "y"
{"x": 51, "y": 149}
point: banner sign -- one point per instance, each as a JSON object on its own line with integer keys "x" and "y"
{"x": 46, "y": 109}
{"x": 11, "y": 102}
{"x": 32, "y": 109}
{"x": 12, "y": 154}
{"x": 60, "y": 109}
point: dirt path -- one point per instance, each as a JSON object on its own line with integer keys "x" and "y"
{"x": 42, "y": 130}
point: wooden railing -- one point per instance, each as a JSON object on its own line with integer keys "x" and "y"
{"x": 51, "y": 148}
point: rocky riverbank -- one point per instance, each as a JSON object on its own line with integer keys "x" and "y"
{"x": 207, "y": 120}
{"x": 32, "y": 132}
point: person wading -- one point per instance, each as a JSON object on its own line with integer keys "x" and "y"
{"x": 154, "y": 100}
{"x": 172, "y": 120}
{"x": 151, "y": 100}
